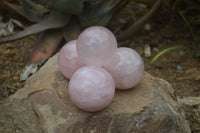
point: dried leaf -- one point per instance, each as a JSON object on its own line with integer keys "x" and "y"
{"x": 27, "y": 71}
{"x": 16, "y": 22}
{"x": 8, "y": 28}
{"x": 54, "y": 20}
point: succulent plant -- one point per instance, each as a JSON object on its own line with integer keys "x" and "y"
{"x": 58, "y": 19}
{"x": 61, "y": 18}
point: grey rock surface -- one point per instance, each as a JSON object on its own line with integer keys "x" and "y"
{"x": 191, "y": 107}
{"x": 43, "y": 105}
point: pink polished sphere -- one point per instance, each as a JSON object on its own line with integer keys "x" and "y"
{"x": 96, "y": 46}
{"x": 91, "y": 88}
{"x": 126, "y": 67}
{"x": 68, "y": 60}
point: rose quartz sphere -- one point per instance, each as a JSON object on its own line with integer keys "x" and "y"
{"x": 91, "y": 88}
{"x": 68, "y": 60}
{"x": 96, "y": 46}
{"x": 126, "y": 68}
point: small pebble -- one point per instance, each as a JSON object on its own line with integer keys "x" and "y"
{"x": 121, "y": 20}
{"x": 147, "y": 27}
{"x": 132, "y": 44}
{"x": 156, "y": 49}
{"x": 8, "y": 74}
{"x": 179, "y": 68}
{"x": 147, "y": 50}
{"x": 12, "y": 91}
{"x": 15, "y": 78}
{"x": 7, "y": 68}
{"x": 18, "y": 84}
{"x": 141, "y": 5}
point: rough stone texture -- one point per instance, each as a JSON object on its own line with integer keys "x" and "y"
{"x": 43, "y": 105}
{"x": 191, "y": 106}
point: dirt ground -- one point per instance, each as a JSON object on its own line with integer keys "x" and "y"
{"x": 178, "y": 67}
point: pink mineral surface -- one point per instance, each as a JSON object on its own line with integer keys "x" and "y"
{"x": 68, "y": 60}
{"x": 126, "y": 68}
{"x": 91, "y": 88}
{"x": 96, "y": 45}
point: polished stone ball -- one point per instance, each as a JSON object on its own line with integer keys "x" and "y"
{"x": 126, "y": 68}
{"x": 68, "y": 60}
{"x": 96, "y": 45}
{"x": 91, "y": 88}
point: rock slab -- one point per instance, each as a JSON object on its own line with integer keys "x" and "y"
{"x": 191, "y": 107}
{"x": 43, "y": 105}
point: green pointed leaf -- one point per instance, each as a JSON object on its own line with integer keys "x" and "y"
{"x": 100, "y": 13}
{"x": 166, "y": 50}
{"x": 188, "y": 24}
{"x": 74, "y": 7}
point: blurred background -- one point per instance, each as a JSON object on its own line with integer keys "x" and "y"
{"x": 164, "y": 32}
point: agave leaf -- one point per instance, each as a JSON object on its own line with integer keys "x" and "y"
{"x": 101, "y": 21}
{"x": 32, "y": 10}
{"x": 71, "y": 31}
{"x": 149, "y": 3}
{"x": 94, "y": 6}
{"x": 54, "y": 20}
{"x": 20, "y": 10}
{"x": 74, "y": 7}
{"x": 46, "y": 45}
{"x": 27, "y": 9}
{"x": 37, "y": 8}
{"x": 109, "y": 7}
{"x": 100, "y": 13}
